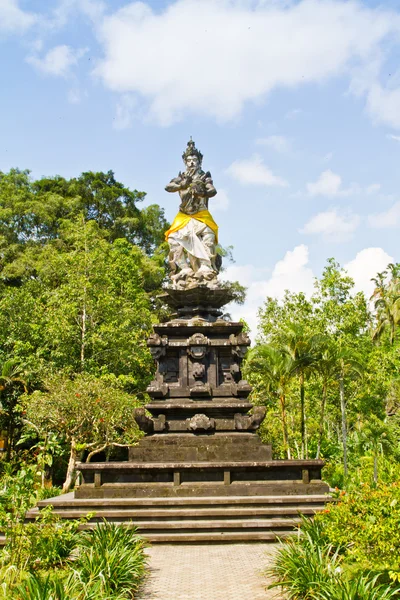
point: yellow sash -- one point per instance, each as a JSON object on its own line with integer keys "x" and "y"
{"x": 182, "y": 219}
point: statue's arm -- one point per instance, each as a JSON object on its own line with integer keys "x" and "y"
{"x": 176, "y": 184}
{"x": 210, "y": 189}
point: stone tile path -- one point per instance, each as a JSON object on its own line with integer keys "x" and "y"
{"x": 209, "y": 572}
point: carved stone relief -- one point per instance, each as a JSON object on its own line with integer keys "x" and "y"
{"x": 200, "y": 422}
{"x": 250, "y": 422}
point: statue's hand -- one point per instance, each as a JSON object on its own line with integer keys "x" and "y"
{"x": 199, "y": 187}
{"x": 186, "y": 181}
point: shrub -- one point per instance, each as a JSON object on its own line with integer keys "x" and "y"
{"x": 45, "y": 543}
{"x": 37, "y": 587}
{"x": 303, "y": 565}
{"x": 366, "y": 522}
{"x": 111, "y": 562}
{"x": 362, "y": 587}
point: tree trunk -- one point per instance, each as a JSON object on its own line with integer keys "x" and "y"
{"x": 375, "y": 467}
{"x": 84, "y": 313}
{"x": 302, "y": 416}
{"x": 284, "y": 427}
{"x": 321, "y": 420}
{"x": 10, "y": 438}
{"x": 96, "y": 451}
{"x": 344, "y": 425}
{"x": 71, "y": 467}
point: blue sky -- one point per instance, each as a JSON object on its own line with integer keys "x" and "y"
{"x": 294, "y": 104}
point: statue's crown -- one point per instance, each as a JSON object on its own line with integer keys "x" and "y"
{"x": 191, "y": 150}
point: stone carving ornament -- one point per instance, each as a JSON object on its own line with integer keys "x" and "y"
{"x": 193, "y": 235}
{"x": 198, "y": 346}
{"x": 148, "y": 424}
{"x": 200, "y": 422}
{"x": 157, "y": 345}
{"x": 250, "y": 422}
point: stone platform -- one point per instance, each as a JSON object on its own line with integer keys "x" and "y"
{"x": 195, "y": 519}
{"x": 201, "y": 478}
{"x": 201, "y": 472}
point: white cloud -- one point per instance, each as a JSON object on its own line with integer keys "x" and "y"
{"x": 366, "y": 265}
{"x": 293, "y": 273}
{"x": 333, "y": 225}
{"x": 383, "y": 104}
{"x": 13, "y": 19}
{"x": 387, "y": 218}
{"x": 220, "y": 202}
{"x": 279, "y": 143}
{"x": 290, "y": 273}
{"x": 57, "y": 61}
{"x": 74, "y": 96}
{"x": 178, "y": 61}
{"x": 390, "y": 136}
{"x": 330, "y": 184}
{"x": 373, "y": 188}
{"x": 252, "y": 171}
{"x": 294, "y": 113}
{"x": 93, "y": 9}
{"x": 124, "y": 112}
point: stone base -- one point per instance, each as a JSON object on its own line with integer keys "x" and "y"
{"x": 196, "y": 519}
{"x": 187, "y": 447}
{"x": 256, "y": 478}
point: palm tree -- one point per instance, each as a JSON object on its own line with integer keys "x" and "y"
{"x": 326, "y": 367}
{"x": 11, "y": 387}
{"x": 276, "y": 369}
{"x": 347, "y": 365}
{"x": 375, "y": 437}
{"x": 303, "y": 348}
{"x": 386, "y": 298}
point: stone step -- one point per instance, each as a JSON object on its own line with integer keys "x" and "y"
{"x": 186, "y": 526}
{"x": 179, "y": 537}
{"x": 219, "y": 537}
{"x": 68, "y": 500}
{"x": 139, "y": 514}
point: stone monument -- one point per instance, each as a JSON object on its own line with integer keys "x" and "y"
{"x": 201, "y": 446}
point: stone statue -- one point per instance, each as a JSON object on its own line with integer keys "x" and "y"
{"x": 193, "y": 235}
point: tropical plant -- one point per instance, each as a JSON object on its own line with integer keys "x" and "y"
{"x": 386, "y": 298}
{"x": 91, "y": 415}
{"x": 304, "y": 349}
{"x": 375, "y": 438}
{"x": 111, "y": 562}
{"x": 276, "y": 368}
{"x": 12, "y": 385}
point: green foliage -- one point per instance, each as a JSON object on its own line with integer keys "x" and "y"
{"x": 88, "y": 414}
{"x": 341, "y": 396}
{"x": 51, "y": 559}
{"x": 369, "y": 519}
{"x": 45, "y": 543}
{"x": 314, "y": 566}
{"x": 111, "y": 562}
{"x": 303, "y": 567}
{"x": 41, "y": 587}
{"x": 82, "y": 306}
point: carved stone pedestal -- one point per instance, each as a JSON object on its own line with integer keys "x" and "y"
{"x": 200, "y": 428}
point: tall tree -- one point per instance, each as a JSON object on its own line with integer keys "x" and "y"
{"x": 386, "y": 298}
{"x": 12, "y": 386}
{"x": 87, "y": 413}
{"x": 276, "y": 369}
{"x": 303, "y": 348}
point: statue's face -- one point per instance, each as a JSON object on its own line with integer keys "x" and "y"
{"x": 192, "y": 162}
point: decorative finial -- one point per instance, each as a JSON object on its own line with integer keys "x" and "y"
{"x": 191, "y": 150}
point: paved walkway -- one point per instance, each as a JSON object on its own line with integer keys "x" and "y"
{"x": 209, "y": 572}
